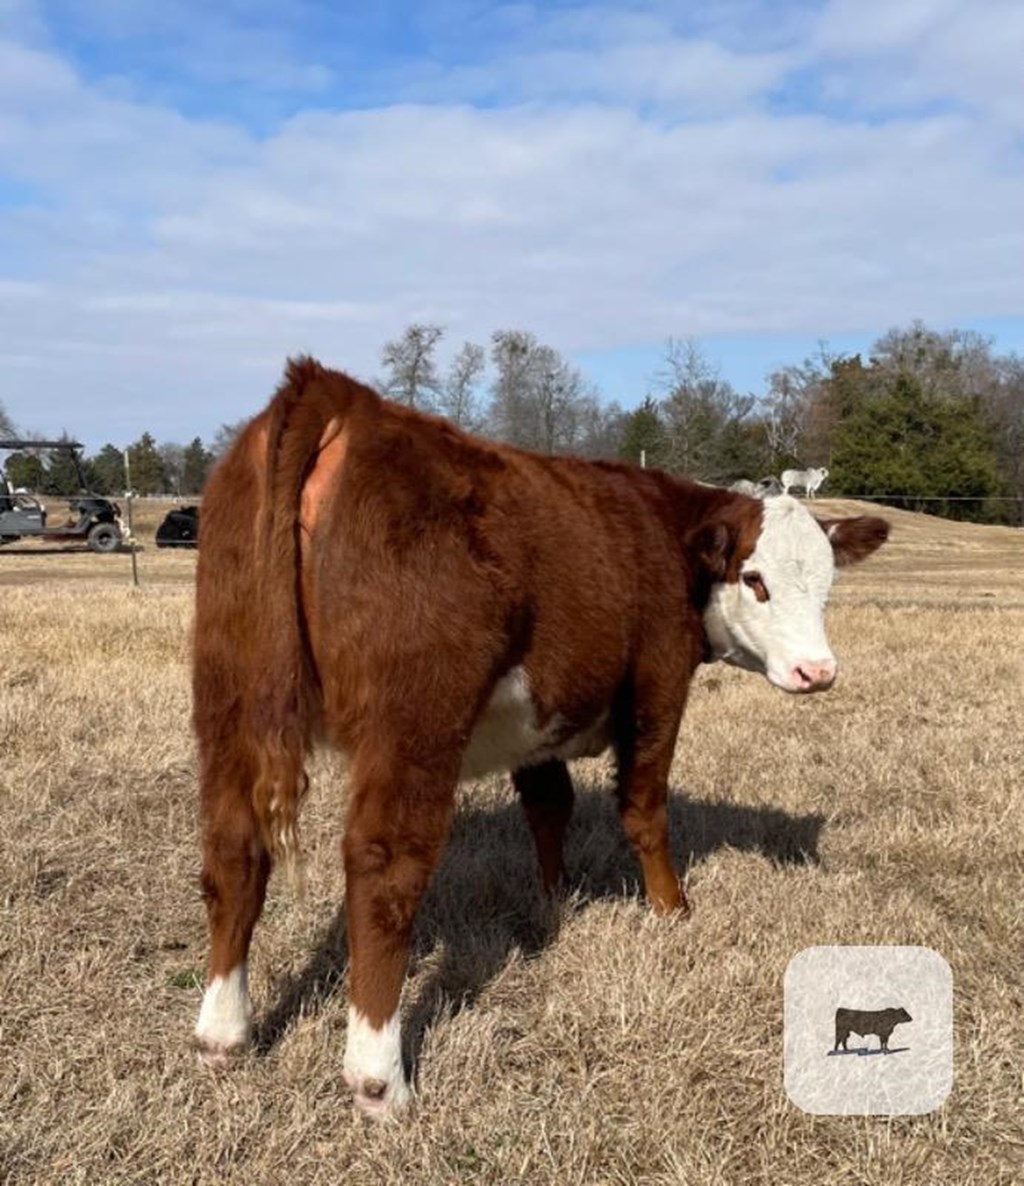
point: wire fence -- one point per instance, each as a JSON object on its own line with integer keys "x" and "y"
{"x": 1005, "y": 510}
{"x": 933, "y": 497}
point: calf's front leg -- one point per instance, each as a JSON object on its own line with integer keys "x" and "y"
{"x": 645, "y": 749}
{"x": 643, "y": 809}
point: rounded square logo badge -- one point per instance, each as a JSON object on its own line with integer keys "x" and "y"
{"x": 868, "y": 1030}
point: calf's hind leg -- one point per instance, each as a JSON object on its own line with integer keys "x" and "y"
{"x": 236, "y": 867}
{"x": 398, "y": 820}
{"x": 546, "y": 794}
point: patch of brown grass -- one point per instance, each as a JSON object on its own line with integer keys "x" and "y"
{"x": 612, "y": 1048}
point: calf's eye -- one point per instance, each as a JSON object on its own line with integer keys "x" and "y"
{"x": 754, "y": 581}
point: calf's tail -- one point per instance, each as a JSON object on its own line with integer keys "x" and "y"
{"x": 254, "y": 683}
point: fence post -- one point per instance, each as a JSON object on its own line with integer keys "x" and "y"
{"x": 130, "y": 498}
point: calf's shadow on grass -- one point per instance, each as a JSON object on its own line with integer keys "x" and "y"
{"x": 485, "y": 904}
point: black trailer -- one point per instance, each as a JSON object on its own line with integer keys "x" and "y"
{"x": 179, "y": 529}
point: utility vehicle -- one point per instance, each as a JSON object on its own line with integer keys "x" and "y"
{"x": 91, "y": 518}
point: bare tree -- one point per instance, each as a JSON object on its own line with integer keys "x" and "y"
{"x": 705, "y": 417}
{"x": 458, "y": 399}
{"x": 602, "y": 429}
{"x": 225, "y": 436}
{"x": 795, "y": 412}
{"x": 411, "y": 375}
{"x": 538, "y": 400}
{"x": 512, "y": 353}
{"x": 173, "y": 457}
{"x": 953, "y": 364}
{"x": 1005, "y": 409}
{"x": 784, "y": 408}
{"x": 7, "y": 426}
{"x": 562, "y": 402}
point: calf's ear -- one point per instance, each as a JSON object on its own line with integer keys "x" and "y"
{"x": 712, "y": 544}
{"x": 719, "y": 545}
{"x": 854, "y": 539}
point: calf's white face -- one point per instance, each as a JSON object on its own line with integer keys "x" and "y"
{"x": 772, "y": 618}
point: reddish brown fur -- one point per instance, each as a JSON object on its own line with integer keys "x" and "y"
{"x": 397, "y": 568}
{"x": 853, "y": 539}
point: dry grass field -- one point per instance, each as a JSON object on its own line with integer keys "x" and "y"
{"x": 607, "y": 1046}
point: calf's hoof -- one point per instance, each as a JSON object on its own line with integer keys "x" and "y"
{"x": 219, "y": 1056}
{"x": 378, "y": 1099}
{"x": 224, "y": 1024}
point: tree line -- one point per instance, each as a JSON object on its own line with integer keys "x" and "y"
{"x": 930, "y": 421}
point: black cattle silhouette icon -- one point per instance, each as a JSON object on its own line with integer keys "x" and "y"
{"x": 880, "y": 1022}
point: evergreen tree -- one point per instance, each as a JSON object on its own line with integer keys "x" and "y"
{"x": 92, "y": 479}
{"x": 742, "y": 449}
{"x": 25, "y": 471}
{"x": 63, "y": 477}
{"x": 148, "y": 474}
{"x": 644, "y": 435}
{"x": 195, "y": 466}
{"x": 108, "y": 468}
{"x": 914, "y": 447}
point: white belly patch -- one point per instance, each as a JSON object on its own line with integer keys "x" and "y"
{"x": 508, "y": 736}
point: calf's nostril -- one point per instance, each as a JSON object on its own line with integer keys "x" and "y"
{"x": 813, "y": 676}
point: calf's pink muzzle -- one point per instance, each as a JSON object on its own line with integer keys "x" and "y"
{"x": 816, "y": 676}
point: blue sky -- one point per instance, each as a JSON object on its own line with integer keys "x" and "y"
{"x": 191, "y": 191}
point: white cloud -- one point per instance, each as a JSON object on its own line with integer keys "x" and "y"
{"x": 22, "y": 19}
{"x": 680, "y": 75}
{"x": 31, "y": 77}
{"x": 857, "y": 27}
{"x": 921, "y": 51}
{"x": 163, "y": 266}
{"x": 253, "y": 44}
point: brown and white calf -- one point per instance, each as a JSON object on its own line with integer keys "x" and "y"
{"x": 437, "y": 607}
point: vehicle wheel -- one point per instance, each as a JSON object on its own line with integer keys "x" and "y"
{"x": 105, "y": 537}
